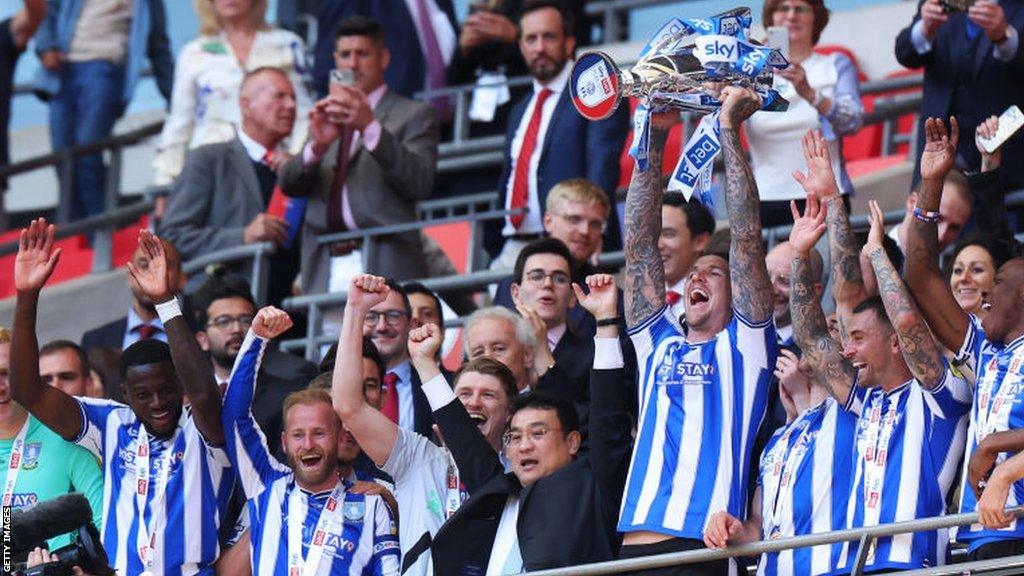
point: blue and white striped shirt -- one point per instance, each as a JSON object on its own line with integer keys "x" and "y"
{"x": 197, "y": 491}
{"x": 365, "y": 543}
{"x": 908, "y": 445}
{"x": 700, "y": 408}
{"x": 805, "y": 476}
{"x": 998, "y": 407}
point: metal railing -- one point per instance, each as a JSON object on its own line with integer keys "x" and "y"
{"x": 259, "y": 253}
{"x": 866, "y": 537}
{"x": 613, "y": 15}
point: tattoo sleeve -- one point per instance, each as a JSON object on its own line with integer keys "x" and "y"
{"x": 810, "y": 331}
{"x": 751, "y": 288}
{"x": 923, "y": 356}
{"x": 645, "y": 273}
{"x": 848, "y": 283}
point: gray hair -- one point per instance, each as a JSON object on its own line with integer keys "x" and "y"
{"x": 524, "y": 332}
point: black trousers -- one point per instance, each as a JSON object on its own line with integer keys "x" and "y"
{"x": 716, "y": 568}
{"x": 998, "y": 549}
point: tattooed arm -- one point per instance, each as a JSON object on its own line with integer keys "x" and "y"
{"x": 645, "y": 273}
{"x": 751, "y": 288}
{"x": 922, "y": 354}
{"x": 944, "y": 315}
{"x": 810, "y": 330}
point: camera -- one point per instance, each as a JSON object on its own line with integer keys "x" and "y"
{"x": 85, "y": 551}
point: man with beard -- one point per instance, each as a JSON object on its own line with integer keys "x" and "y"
{"x": 547, "y": 141}
{"x": 142, "y": 321}
{"x": 304, "y": 517}
{"x": 166, "y": 475}
{"x": 224, "y": 311}
{"x": 990, "y": 348}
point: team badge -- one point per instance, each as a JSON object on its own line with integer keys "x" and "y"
{"x": 30, "y": 459}
{"x": 354, "y": 511}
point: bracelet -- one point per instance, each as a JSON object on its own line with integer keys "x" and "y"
{"x": 613, "y": 321}
{"x": 168, "y": 310}
{"x": 926, "y": 216}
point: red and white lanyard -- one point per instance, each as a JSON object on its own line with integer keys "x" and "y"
{"x": 327, "y": 522}
{"x": 782, "y": 463}
{"x": 453, "y": 491}
{"x": 877, "y": 436}
{"x": 14, "y": 464}
{"x": 147, "y": 534}
{"x": 994, "y": 404}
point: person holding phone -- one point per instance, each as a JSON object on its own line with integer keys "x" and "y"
{"x": 823, "y": 95}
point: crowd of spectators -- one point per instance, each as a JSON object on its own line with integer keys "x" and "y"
{"x": 706, "y": 397}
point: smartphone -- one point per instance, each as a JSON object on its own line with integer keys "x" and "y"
{"x": 484, "y": 6}
{"x": 950, "y": 6}
{"x": 778, "y": 38}
{"x": 1009, "y": 122}
{"x": 341, "y": 78}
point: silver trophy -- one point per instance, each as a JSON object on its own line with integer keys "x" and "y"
{"x": 684, "y": 66}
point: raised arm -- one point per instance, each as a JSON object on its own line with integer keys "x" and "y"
{"x": 373, "y": 430}
{"x": 751, "y": 288}
{"x": 810, "y": 330}
{"x": 820, "y": 182}
{"x": 645, "y": 273}
{"x": 921, "y": 352}
{"x": 189, "y": 361}
{"x": 32, "y": 268}
{"x": 945, "y": 317}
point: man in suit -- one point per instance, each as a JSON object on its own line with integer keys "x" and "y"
{"x": 547, "y": 140}
{"x": 142, "y": 321}
{"x": 409, "y": 37}
{"x": 554, "y": 508}
{"x": 375, "y": 178}
{"x": 221, "y": 198}
{"x": 972, "y": 69}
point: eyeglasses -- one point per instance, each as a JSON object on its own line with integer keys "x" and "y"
{"x": 225, "y": 322}
{"x": 575, "y": 220}
{"x": 514, "y": 438}
{"x": 392, "y": 317}
{"x": 539, "y": 276}
{"x": 787, "y": 8}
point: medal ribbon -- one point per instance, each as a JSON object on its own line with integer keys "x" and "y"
{"x": 327, "y": 521}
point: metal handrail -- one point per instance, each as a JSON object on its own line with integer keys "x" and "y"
{"x": 865, "y": 535}
{"x": 259, "y": 253}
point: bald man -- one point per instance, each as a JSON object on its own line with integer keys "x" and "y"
{"x": 221, "y": 198}
{"x": 778, "y": 262}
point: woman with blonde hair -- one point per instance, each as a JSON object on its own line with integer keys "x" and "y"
{"x": 234, "y": 38}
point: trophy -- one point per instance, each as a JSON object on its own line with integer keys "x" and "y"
{"x": 684, "y": 66}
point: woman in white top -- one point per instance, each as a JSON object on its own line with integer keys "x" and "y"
{"x": 823, "y": 94}
{"x": 234, "y": 39}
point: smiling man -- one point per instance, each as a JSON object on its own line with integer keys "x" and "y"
{"x": 428, "y": 484}
{"x": 167, "y": 477}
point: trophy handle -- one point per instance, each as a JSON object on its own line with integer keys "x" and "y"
{"x": 597, "y": 85}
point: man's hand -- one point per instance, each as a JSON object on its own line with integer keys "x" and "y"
{"x": 324, "y": 124}
{"x": 992, "y": 502}
{"x": 36, "y": 256}
{"x": 353, "y": 107}
{"x": 939, "y": 148}
{"x": 271, "y": 322}
{"x": 491, "y": 27}
{"x": 738, "y": 104}
{"x": 932, "y": 17}
{"x": 721, "y": 527}
{"x": 988, "y": 129}
{"x": 603, "y": 298}
{"x": 52, "y": 60}
{"x": 372, "y": 488}
{"x": 366, "y": 291}
{"x": 265, "y": 228}
{"x": 542, "y": 357}
{"x": 808, "y": 228}
{"x": 876, "y": 236}
{"x": 979, "y": 467}
{"x": 424, "y": 342}
{"x": 153, "y": 279}
{"x": 820, "y": 180}
{"x": 794, "y": 380}
{"x": 989, "y": 16}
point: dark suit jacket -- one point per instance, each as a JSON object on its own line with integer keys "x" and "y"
{"x": 384, "y": 186}
{"x": 423, "y": 415}
{"x": 110, "y": 335}
{"x": 565, "y": 518}
{"x": 963, "y": 78}
{"x": 573, "y": 147}
{"x": 408, "y": 67}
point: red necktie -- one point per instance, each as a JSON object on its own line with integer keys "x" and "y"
{"x": 390, "y": 408}
{"x": 335, "y": 218}
{"x": 145, "y": 331}
{"x": 522, "y": 175}
{"x": 672, "y": 297}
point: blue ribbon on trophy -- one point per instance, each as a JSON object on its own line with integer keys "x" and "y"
{"x": 683, "y": 66}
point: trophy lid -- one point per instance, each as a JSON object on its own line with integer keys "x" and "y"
{"x": 595, "y": 85}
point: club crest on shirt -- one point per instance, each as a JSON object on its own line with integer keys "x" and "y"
{"x": 30, "y": 458}
{"x": 674, "y": 371}
{"x": 354, "y": 511}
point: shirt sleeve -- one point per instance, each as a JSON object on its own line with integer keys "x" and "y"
{"x": 1007, "y": 49}
{"x": 386, "y": 550}
{"x": 847, "y": 113}
{"x": 87, "y": 478}
{"x": 246, "y": 446}
{"x": 969, "y": 354}
{"x": 921, "y": 44}
{"x": 855, "y": 401}
{"x": 414, "y": 454}
{"x": 95, "y": 414}
{"x": 952, "y": 396}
